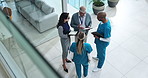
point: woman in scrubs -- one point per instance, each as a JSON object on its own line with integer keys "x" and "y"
{"x": 81, "y": 54}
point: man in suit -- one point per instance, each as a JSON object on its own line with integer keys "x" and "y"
{"x": 81, "y": 20}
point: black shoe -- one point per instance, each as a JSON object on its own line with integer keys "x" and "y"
{"x": 66, "y": 70}
{"x": 68, "y": 61}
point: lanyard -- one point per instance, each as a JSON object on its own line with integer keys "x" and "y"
{"x": 81, "y": 19}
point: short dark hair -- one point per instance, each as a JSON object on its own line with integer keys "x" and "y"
{"x": 101, "y": 14}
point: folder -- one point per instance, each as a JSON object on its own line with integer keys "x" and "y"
{"x": 73, "y": 33}
{"x": 97, "y": 34}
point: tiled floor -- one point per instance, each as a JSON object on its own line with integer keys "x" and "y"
{"x": 127, "y": 54}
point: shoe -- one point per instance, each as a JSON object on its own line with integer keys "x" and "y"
{"x": 95, "y": 58}
{"x": 65, "y": 69}
{"x": 68, "y": 61}
{"x": 96, "y": 69}
{"x": 84, "y": 77}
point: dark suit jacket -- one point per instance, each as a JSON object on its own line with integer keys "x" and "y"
{"x": 75, "y": 21}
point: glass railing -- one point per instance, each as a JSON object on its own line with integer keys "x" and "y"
{"x": 20, "y": 58}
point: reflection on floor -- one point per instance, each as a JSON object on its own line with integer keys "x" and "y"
{"x": 127, "y": 54}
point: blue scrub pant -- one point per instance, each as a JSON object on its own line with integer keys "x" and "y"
{"x": 78, "y": 69}
{"x": 101, "y": 53}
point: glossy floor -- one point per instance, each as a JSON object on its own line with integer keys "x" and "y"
{"x": 127, "y": 54}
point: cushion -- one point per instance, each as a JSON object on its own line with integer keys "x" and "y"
{"x": 33, "y": 1}
{"x": 23, "y": 3}
{"x": 27, "y": 10}
{"x": 47, "y": 9}
{"x": 30, "y": 9}
{"x": 36, "y": 15}
{"x": 19, "y": 0}
{"x": 39, "y": 3}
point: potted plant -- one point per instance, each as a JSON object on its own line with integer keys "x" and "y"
{"x": 112, "y": 3}
{"x": 98, "y": 5}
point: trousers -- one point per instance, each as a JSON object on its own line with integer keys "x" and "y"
{"x": 78, "y": 69}
{"x": 101, "y": 53}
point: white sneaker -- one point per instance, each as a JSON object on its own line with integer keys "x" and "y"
{"x": 84, "y": 77}
{"x": 95, "y": 58}
{"x": 96, "y": 69}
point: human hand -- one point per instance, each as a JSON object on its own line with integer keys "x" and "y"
{"x": 72, "y": 60}
{"x": 96, "y": 37}
{"x": 88, "y": 28}
{"x": 80, "y": 27}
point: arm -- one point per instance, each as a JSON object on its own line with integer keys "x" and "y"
{"x": 105, "y": 39}
{"x": 74, "y": 23}
{"x": 71, "y": 55}
{"x": 72, "y": 48}
{"x": 61, "y": 34}
{"x": 88, "y": 21}
{"x": 88, "y": 50}
{"x": 89, "y": 57}
{"x": 102, "y": 39}
{"x": 107, "y": 34}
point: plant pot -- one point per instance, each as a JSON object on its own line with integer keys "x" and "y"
{"x": 112, "y": 3}
{"x": 97, "y": 9}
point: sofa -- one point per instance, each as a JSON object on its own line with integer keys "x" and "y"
{"x": 38, "y": 13}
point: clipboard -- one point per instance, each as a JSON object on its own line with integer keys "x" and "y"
{"x": 97, "y": 34}
{"x": 73, "y": 33}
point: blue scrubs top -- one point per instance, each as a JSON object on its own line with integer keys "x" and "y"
{"x": 81, "y": 58}
{"x": 105, "y": 30}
